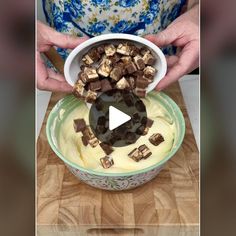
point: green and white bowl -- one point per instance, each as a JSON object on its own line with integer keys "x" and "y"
{"x": 112, "y": 181}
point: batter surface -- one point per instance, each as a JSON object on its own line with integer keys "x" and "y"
{"x": 73, "y": 149}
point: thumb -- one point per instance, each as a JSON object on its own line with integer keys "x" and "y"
{"x": 164, "y": 38}
{"x": 65, "y": 40}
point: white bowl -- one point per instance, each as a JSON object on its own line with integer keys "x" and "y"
{"x": 72, "y": 64}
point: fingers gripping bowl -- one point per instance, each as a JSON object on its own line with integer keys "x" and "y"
{"x": 113, "y": 180}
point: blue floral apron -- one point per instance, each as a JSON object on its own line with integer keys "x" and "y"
{"x": 95, "y": 17}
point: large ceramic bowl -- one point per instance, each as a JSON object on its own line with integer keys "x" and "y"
{"x": 112, "y": 181}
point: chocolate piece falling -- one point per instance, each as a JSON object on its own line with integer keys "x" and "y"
{"x": 87, "y": 133}
{"x": 106, "y": 148}
{"x": 84, "y": 141}
{"x": 110, "y": 50}
{"x": 141, "y": 130}
{"x": 149, "y": 72}
{"x": 101, "y": 120}
{"x": 136, "y": 118}
{"x": 140, "y": 106}
{"x": 105, "y": 68}
{"x": 91, "y": 74}
{"x": 91, "y": 96}
{"x": 156, "y": 139}
{"x": 106, "y": 162}
{"x": 99, "y": 105}
{"x": 136, "y": 155}
{"x": 128, "y": 99}
{"x": 149, "y": 59}
{"x": 145, "y": 151}
{"x": 140, "y": 92}
{"x": 146, "y": 121}
{"x": 93, "y": 142}
{"x": 78, "y": 89}
{"x": 83, "y": 77}
{"x": 130, "y": 67}
{"x": 122, "y": 84}
{"x": 79, "y": 125}
{"x": 95, "y": 86}
{"x": 131, "y": 82}
{"x": 106, "y": 85}
{"x": 130, "y": 138}
{"x": 139, "y": 62}
{"x": 116, "y": 73}
{"x": 123, "y": 49}
{"x": 101, "y": 129}
{"x": 141, "y": 83}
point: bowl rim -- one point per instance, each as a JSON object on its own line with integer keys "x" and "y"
{"x": 121, "y": 36}
{"x": 182, "y": 127}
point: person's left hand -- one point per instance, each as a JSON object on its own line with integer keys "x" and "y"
{"x": 182, "y": 33}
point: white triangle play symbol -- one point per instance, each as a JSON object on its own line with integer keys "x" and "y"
{"x": 117, "y": 118}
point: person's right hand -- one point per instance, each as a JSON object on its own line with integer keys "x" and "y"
{"x": 47, "y": 79}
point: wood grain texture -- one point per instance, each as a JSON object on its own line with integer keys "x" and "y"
{"x": 168, "y": 205}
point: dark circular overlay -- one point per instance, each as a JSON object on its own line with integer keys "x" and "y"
{"x": 126, "y": 102}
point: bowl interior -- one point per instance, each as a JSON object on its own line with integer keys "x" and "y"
{"x": 73, "y": 62}
{"x": 63, "y": 108}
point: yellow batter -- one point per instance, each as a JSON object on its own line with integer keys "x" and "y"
{"x": 73, "y": 149}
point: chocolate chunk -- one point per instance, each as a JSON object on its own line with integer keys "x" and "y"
{"x": 139, "y": 62}
{"x": 91, "y": 74}
{"x": 93, "y": 142}
{"x": 110, "y": 50}
{"x": 91, "y": 96}
{"x": 141, "y": 82}
{"x": 82, "y": 67}
{"x": 87, "y": 133}
{"x": 122, "y": 84}
{"x": 128, "y": 99}
{"x": 101, "y": 49}
{"x": 146, "y": 121}
{"x": 106, "y": 85}
{"x": 145, "y": 151}
{"x": 105, "y": 68}
{"x": 83, "y": 77}
{"x": 134, "y": 51}
{"x": 126, "y": 59}
{"x": 142, "y": 130}
{"x": 95, "y": 86}
{"x": 79, "y": 125}
{"x": 106, "y": 162}
{"x": 123, "y": 49}
{"x": 144, "y": 50}
{"x": 149, "y": 59}
{"x": 138, "y": 73}
{"x": 101, "y": 129}
{"x": 136, "y": 118}
{"x": 149, "y": 72}
{"x": 84, "y": 141}
{"x": 131, "y": 82}
{"x": 128, "y": 124}
{"x": 78, "y": 89}
{"x": 136, "y": 155}
{"x": 87, "y": 60}
{"x": 106, "y": 148}
{"x": 130, "y": 137}
{"x": 156, "y": 139}
{"x": 91, "y": 57}
{"x": 101, "y": 120}
{"x": 140, "y": 106}
{"x": 121, "y": 65}
{"x": 99, "y": 104}
{"x": 115, "y": 58}
{"x": 116, "y": 73}
{"x": 140, "y": 92}
{"x": 130, "y": 67}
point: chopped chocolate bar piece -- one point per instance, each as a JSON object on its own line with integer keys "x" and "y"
{"x": 115, "y": 58}
{"x": 82, "y": 67}
{"x": 110, "y": 50}
{"x": 79, "y": 125}
{"x": 101, "y": 120}
{"x": 93, "y": 142}
{"x": 139, "y": 62}
{"x": 101, "y": 49}
{"x": 126, "y": 59}
{"x": 83, "y": 77}
{"x": 130, "y": 67}
{"x": 106, "y": 162}
{"x": 128, "y": 99}
{"x": 138, "y": 73}
{"x": 116, "y": 73}
{"x": 106, "y": 85}
{"x": 87, "y": 60}
{"x": 144, "y": 50}
{"x": 95, "y": 86}
{"x": 146, "y": 121}
{"x": 94, "y": 55}
{"x": 136, "y": 118}
{"x": 141, "y": 130}
{"x": 131, "y": 82}
{"x": 149, "y": 59}
{"x": 91, "y": 96}
{"x": 141, "y": 82}
{"x": 84, "y": 141}
{"x": 145, "y": 151}
{"x": 122, "y": 84}
{"x": 134, "y": 51}
{"x": 136, "y": 155}
{"x": 156, "y": 139}
{"x": 149, "y": 72}
{"x": 105, "y": 68}
{"x": 140, "y": 106}
{"x": 91, "y": 74}
{"x": 106, "y": 148}
{"x": 87, "y": 133}
{"x": 140, "y": 92}
{"x": 130, "y": 137}
{"x": 123, "y": 49}
{"x": 78, "y": 89}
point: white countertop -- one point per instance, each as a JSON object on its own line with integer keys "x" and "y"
{"x": 189, "y": 86}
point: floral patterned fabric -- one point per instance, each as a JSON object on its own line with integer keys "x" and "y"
{"x": 95, "y": 17}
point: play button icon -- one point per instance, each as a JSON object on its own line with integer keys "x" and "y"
{"x": 117, "y": 118}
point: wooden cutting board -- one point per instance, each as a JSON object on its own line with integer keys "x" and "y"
{"x": 168, "y": 205}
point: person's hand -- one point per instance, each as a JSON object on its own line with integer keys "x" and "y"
{"x": 182, "y": 33}
{"x": 47, "y": 79}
